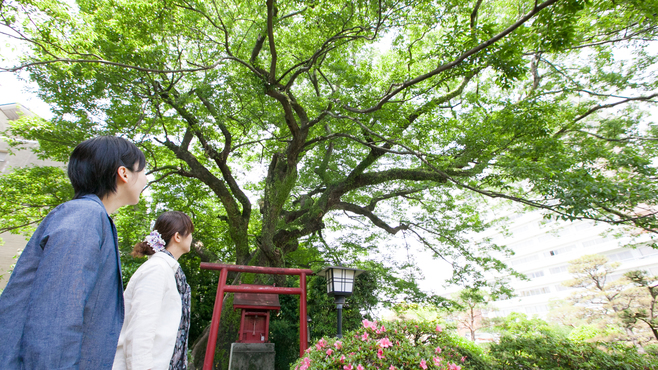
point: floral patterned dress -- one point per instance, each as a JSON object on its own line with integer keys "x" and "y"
{"x": 179, "y": 359}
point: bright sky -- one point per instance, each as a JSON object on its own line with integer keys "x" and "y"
{"x": 15, "y": 90}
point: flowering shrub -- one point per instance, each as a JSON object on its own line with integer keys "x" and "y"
{"x": 392, "y": 346}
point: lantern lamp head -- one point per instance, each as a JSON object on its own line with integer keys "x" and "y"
{"x": 340, "y": 280}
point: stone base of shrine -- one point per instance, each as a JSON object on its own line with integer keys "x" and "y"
{"x": 251, "y": 356}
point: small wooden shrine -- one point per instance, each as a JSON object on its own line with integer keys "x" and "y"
{"x": 255, "y": 320}
{"x": 223, "y": 288}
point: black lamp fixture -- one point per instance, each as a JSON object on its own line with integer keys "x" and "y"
{"x": 340, "y": 284}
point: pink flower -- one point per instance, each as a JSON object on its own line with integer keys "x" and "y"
{"x": 369, "y": 324}
{"x": 392, "y": 368}
{"x": 342, "y": 359}
{"x": 454, "y": 367}
{"x": 338, "y": 344}
{"x": 321, "y": 343}
{"x": 306, "y": 362}
{"x": 463, "y": 358}
{"x": 384, "y": 343}
{"x": 423, "y": 364}
{"x": 437, "y": 361}
{"x": 364, "y": 337}
{"x": 381, "y": 330}
{"x": 309, "y": 349}
{"x": 438, "y": 328}
{"x": 359, "y": 367}
{"x": 380, "y": 353}
{"x": 348, "y": 367}
{"x": 330, "y": 351}
{"x": 437, "y": 350}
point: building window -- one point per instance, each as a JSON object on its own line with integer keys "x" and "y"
{"x": 524, "y": 260}
{"x": 594, "y": 242}
{"x": 561, "y": 287}
{"x": 531, "y": 292}
{"x": 555, "y": 252}
{"x": 647, "y": 251}
{"x": 546, "y": 237}
{"x": 620, "y": 256}
{"x": 559, "y": 269}
{"x": 536, "y": 309}
{"x": 535, "y": 274}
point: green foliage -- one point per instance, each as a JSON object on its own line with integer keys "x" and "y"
{"x": 615, "y": 310}
{"x": 29, "y": 194}
{"x": 360, "y": 305}
{"x": 533, "y": 344}
{"x": 415, "y": 311}
{"x": 284, "y": 326}
{"x": 584, "y": 333}
{"x": 301, "y": 133}
{"x": 467, "y": 308}
{"x": 394, "y": 345}
{"x": 646, "y": 311}
{"x": 405, "y": 117}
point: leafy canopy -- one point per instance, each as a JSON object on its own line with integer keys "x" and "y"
{"x": 319, "y": 131}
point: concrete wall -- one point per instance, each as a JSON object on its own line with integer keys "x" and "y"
{"x": 8, "y": 161}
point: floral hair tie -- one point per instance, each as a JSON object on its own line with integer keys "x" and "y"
{"x": 155, "y": 241}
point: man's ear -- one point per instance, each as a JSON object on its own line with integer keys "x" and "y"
{"x": 122, "y": 174}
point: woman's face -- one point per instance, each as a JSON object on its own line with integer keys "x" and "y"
{"x": 186, "y": 243}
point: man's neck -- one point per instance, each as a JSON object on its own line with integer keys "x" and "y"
{"x": 111, "y": 203}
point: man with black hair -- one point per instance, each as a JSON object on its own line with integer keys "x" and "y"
{"x": 63, "y": 305}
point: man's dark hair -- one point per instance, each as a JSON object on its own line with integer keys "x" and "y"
{"x": 94, "y": 163}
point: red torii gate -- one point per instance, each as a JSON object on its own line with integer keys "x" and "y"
{"x": 223, "y": 288}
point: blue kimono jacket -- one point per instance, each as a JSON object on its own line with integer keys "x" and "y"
{"x": 63, "y": 305}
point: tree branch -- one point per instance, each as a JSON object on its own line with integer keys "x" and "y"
{"x": 114, "y": 64}
{"x": 371, "y": 216}
{"x": 270, "y": 37}
{"x": 454, "y": 63}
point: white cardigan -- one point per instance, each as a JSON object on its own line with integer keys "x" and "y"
{"x": 153, "y": 313}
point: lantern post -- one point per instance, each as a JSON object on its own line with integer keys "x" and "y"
{"x": 340, "y": 284}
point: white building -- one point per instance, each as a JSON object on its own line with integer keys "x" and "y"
{"x": 20, "y": 158}
{"x": 544, "y": 248}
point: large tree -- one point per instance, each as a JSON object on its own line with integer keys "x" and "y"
{"x": 297, "y": 118}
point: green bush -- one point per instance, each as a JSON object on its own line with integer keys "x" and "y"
{"x": 393, "y": 345}
{"x": 533, "y": 344}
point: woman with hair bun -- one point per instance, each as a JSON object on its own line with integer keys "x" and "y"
{"x": 157, "y": 300}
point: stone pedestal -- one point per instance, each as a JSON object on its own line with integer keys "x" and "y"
{"x": 251, "y": 356}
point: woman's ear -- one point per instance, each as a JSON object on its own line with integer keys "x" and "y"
{"x": 177, "y": 238}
